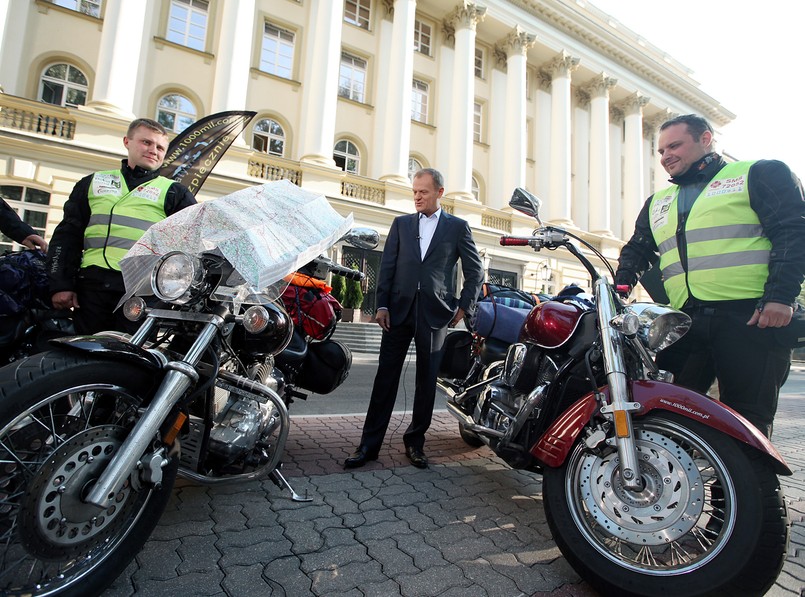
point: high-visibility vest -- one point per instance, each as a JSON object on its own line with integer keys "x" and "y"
{"x": 727, "y": 253}
{"x": 119, "y": 216}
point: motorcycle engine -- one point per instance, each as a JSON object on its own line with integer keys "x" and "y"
{"x": 241, "y": 419}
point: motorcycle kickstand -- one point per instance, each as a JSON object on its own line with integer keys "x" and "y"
{"x": 281, "y": 482}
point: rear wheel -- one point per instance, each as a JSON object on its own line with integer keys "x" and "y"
{"x": 63, "y": 417}
{"x": 710, "y": 519}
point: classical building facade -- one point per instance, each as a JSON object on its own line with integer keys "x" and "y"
{"x": 351, "y": 96}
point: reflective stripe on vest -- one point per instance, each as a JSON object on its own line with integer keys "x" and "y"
{"x": 727, "y": 254}
{"x": 119, "y": 216}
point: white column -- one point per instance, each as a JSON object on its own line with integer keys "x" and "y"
{"x": 444, "y": 145}
{"x": 515, "y": 45}
{"x": 542, "y": 140}
{"x": 120, "y": 58}
{"x": 660, "y": 175}
{"x": 464, "y": 19}
{"x": 497, "y": 195}
{"x": 394, "y": 105}
{"x": 620, "y": 228}
{"x": 600, "y": 201}
{"x": 559, "y": 204}
{"x": 320, "y": 87}
{"x": 633, "y": 192}
{"x": 11, "y": 40}
{"x": 233, "y": 56}
{"x": 580, "y": 161}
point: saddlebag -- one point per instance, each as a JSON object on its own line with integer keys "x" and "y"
{"x": 501, "y": 322}
{"x": 326, "y": 366}
{"x": 457, "y": 357}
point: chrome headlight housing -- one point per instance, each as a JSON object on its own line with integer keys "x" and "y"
{"x": 177, "y": 278}
{"x": 660, "y": 326}
{"x": 513, "y": 365}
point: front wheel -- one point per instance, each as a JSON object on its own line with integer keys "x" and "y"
{"x": 63, "y": 417}
{"x": 710, "y": 519}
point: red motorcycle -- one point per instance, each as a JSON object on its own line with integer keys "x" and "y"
{"x": 649, "y": 488}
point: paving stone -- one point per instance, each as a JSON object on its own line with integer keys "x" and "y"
{"x": 158, "y": 560}
{"x": 246, "y": 581}
{"x": 198, "y": 554}
{"x": 286, "y": 574}
{"x": 433, "y": 581}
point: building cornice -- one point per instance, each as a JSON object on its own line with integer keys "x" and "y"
{"x": 591, "y": 27}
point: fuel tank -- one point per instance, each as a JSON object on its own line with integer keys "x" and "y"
{"x": 551, "y": 324}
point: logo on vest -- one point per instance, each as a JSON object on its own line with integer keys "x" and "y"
{"x": 106, "y": 184}
{"x": 660, "y": 209}
{"x": 725, "y": 186}
{"x": 146, "y": 192}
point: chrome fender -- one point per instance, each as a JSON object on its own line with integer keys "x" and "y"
{"x": 555, "y": 444}
{"x": 113, "y": 348}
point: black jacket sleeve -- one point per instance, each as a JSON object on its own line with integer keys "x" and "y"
{"x": 776, "y": 195}
{"x": 639, "y": 253}
{"x": 11, "y": 225}
{"x": 177, "y": 198}
{"x": 67, "y": 244}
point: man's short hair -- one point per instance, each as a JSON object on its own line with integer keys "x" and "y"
{"x": 438, "y": 179}
{"x": 695, "y": 123}
{"x": 148, "y": 123}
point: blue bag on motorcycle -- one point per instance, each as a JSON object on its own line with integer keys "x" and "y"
{"x": 501, "y": 322}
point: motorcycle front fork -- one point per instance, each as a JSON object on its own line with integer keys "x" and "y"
{"x": 619, "y": 409}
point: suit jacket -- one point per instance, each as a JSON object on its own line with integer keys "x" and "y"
{"x": 403, "y": 271}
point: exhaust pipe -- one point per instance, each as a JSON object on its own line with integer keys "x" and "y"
{"x": 455, "y": 410}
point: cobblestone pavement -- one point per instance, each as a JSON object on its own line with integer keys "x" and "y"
{"x": 467, "y": 526}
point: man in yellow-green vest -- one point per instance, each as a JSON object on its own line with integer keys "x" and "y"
{"x": 106, "y": 213}
{"x": 730, "y": 239}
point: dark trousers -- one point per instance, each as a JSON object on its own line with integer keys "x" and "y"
{"x": 394, "y": 346}
{"x": 98, "y": 292}
{"x": 748, "y": 362}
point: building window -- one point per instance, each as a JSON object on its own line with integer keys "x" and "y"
{"x": 477, "y": 121}
{"x": 479, "y": 63}
{"x": 352, "y": 77}
{"x": 346, "y": 156}
{"x": 414, "y": 166}
{"x": 276, "y": 55}
{"x": 503, "y": 278}
{"x": 419, "y": 101}
{"x": 476, "y": 189}
{"x": 175, "y": 112}
{"x": 63, "y": 85}
{"x": 187, "y": 23}
{"x": 87, "y": 7}
{"x": 269, "y": 137}
{"x": 356, "y": 12}
{"x": 423, "y": 37}
{"x": 32, "y": 205}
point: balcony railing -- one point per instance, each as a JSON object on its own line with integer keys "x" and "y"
{"x": 274, "y": 168}
{"x": 366, "y": 189}
{"x": 36, "y": 117}
{"x": 497, "y": 222}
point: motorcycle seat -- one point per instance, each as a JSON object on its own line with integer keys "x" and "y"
{"x": 493, "y": 350}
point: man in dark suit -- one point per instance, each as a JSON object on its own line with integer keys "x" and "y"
{"x": 416, "y": 294}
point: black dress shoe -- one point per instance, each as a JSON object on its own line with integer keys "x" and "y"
{"x": 359, "y": 457}
{"x": 417, "y": 457}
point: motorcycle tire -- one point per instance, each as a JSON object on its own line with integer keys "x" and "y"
{"x": 710, "y": 520}
{"x": 63, "y": 416}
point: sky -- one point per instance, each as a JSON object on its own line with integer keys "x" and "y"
{"x": 747, "y": 55}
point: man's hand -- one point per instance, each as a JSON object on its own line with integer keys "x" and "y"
{"x": 459, "y": 316}
{"x": 64, "y": 300}
{"x": 383, "y": 319}
{"x": 34, "y": 241}
{"x": 773, "y": 315}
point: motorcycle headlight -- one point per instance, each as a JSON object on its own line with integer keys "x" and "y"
{"x": 659, "y": 326}
{"x": 176, "y": 276}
